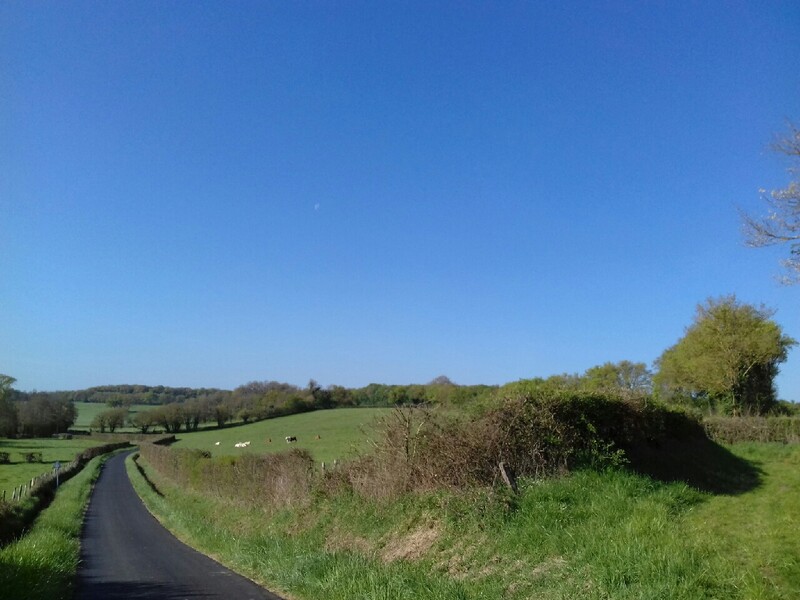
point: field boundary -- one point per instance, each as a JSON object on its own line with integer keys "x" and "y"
{"x": 32, "y": 498}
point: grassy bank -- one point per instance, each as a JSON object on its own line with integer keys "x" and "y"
{"x": 42, "y": 564}
{"x": 611, "y": 534}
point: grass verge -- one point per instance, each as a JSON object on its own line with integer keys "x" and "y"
{"x": 611, "y": 534}
{"x": 43, "y": 563}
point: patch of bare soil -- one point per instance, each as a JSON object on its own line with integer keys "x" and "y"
{"x": 338, "y": 541}
{"x": 411, "y": 546}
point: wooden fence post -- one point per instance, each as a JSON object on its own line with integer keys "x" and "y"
{"x": 508, "y": 476}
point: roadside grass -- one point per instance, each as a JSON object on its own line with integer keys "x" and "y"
{"x": 20, "y": 471}
{"x": 340, "y": 431}
{"x": 611, "y": 534}
{"x": 43, "y": 563}
{"x": 87, "y": 411}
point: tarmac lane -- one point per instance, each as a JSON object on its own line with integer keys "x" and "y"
{"x": 127, "y": 554}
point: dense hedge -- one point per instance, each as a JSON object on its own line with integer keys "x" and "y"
{"x": 533, "y": 435}
{"x": 730, "y": 430}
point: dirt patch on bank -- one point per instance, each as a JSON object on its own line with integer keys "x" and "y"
{"x": 412, "y": 545}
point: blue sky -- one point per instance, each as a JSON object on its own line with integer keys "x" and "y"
{"x": 205, "y": 194}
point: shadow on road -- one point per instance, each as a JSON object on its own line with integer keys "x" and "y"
{"x": 129, "y": 590}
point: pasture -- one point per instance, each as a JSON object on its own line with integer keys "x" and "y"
{"x": 327, "y": 434}
{"x": 20, "y": 471}
{"x": 87, "y": 411}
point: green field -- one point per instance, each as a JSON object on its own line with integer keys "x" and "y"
{"x": 19, "y": 471}
{"x": 341, "y": 431}
{"x": 87, "y": 411}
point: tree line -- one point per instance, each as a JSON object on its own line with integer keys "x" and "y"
{"x": 725, "y": 363}
{"x": 126, "y": 395}
{"x": 38, "y": 415}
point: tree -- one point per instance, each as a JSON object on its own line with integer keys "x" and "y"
{"x": 222, "y": 414}
{"x": 8, "y": 411}
{"x": 626, "y": 377}
{"x": 781, "y": 225}
{"x": 728, "y": 358}
{"x": 142, "y": 420}
{"x": 111, "y": 419}
{"x": 42, "y": 416}
{"x": 169, "y": 416}
{"x": 441, "y": 380}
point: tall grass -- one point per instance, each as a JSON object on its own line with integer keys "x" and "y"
{"x": 43, "y": 563}
{"x": 589, "y": 534}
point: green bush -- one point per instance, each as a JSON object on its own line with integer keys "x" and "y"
{"x": 730, "y": 430}
{"x": 33, "y": 457}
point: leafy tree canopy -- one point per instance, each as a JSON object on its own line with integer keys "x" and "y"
{"x": 728, "y": 357}
{"x": 8, "y": 411}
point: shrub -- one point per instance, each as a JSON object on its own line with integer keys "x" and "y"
{"x": 730, "y": 430}
{"x": 33, "y": 457}
{"x": 273, "y": 481}
{"x": 5, "y": 458}
{"x": 535, "y": 435}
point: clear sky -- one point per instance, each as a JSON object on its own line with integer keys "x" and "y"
{"x": 209, "y": 193}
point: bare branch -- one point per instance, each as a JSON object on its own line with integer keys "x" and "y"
{"x": 781, "y": 225}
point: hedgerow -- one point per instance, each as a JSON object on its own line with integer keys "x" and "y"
{"x": 415, "y": 449}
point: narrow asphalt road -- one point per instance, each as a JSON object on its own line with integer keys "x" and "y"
{"x": 126, "y": 553}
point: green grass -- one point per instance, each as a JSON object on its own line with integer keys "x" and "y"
{"x": 43, "y": 564}
{"x": 87, "y": 411}
{"x": 19, "y": 471}
{"x": 587, "y": 535}
{"x": 292, "y": 566}
{"x": 341, "y": 432}
{"x": 760, "y": 530}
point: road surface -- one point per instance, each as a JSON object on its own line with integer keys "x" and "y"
{"x": 126, "y": 553}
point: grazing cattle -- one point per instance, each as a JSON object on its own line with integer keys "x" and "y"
{"x": 291, "y": 438}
